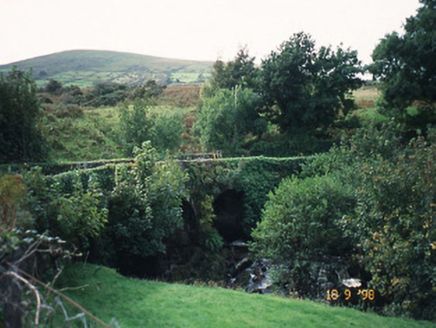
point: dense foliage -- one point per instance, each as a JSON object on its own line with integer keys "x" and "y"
{"x": 406, "y": 67}
{"x": 240, "y": 71}
{"x": 301, "y": 228}
{"x": 307, "y": 89}
{"x": 396, "y": 227}
{"x": 166, "y": 131}
{"x": 135, "y": 126}
{"x": 144, "y": 211}
{"x": 73, "y": 209}
{"x": 367, "y": 206}
{"x": 21, "y": 138}
{"x": 227, "y": 117}
{"x": 300, "y": 93}
{"x": 123, "y": 216}
{"x": 107, "y": 94}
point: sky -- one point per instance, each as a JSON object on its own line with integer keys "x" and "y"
{"x": 194, "y": 29}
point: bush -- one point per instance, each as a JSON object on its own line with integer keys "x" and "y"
{"x": 54, "y": 87}
{"x": 396, "y": 227}
{"x": 167, "y": 131}
{"x": 12, "y": 192}
{"x": 135, "y": 126}
{"x": 74, "y": 210}
{"x": 226, "y": 118}
{"x": 393, "y": 225}
{"x": 62, "y": 111}
{"x": 144, "y": 211}
{"x": 107, "y": 94}
{"x": 20, "y": 135}
{"x": 301, "y": 226}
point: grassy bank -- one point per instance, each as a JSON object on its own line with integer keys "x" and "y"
{"x": 139, "y": 303}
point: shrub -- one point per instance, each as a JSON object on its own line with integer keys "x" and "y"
{"x": 135, "y": 126}
{"x": 12, "y": 192}
{"x": 62, "y": 111}
{"x": 21, "y": 138}
{"x": 107, "y": 94}
{"x": 167, "y": 130}
{"x": 301, "y": 226}
{"x": 227, "y": 117}
{"x": 144, "y": 211}
{"x": 396, "y": 227}
{"x": 74, "y": 210}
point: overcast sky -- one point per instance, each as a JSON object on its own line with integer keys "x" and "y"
{"x": 193, "y": 29}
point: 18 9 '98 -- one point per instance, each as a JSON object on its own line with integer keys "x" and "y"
{"x": 365, "y": 294}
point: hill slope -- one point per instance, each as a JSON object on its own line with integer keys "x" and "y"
{"x": 85, "y": 67}
{"x": 140, "y": 303}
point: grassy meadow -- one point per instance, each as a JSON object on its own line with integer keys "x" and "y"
{"x": 93, "y": 134}
{"x": 84, "y": 134}
{"x": 140, "y": 303}
{"x": 90, "y": 136}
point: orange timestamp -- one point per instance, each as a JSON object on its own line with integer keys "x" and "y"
{"x": 365, "y": 294}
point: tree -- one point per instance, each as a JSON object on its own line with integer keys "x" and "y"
{"x": 54, "y": 87}
{"x": 227, "y": 117}
{"x": 167, "y": 131}
{"x": 21, "y": 138}
{"x": 135, "y": 125}
{"x": 107, "y": 94}
{"x": 406, "y": 66}
{"x": 238, "y": 72}
{"x": 305, "y": 89}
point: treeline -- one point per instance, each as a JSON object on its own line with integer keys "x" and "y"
{"x": 101, "y": 94}
{"x": 291, "y": 104}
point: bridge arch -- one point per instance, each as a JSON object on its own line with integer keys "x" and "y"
{"x": 229, "y": 210}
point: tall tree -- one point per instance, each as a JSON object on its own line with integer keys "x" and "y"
{"x": 135, "y": 125}
{"x": 240, "y": 71}
{"x": 306, "y": 89}
{"x": 20, "y": 137}
{"x": 227, "y": 117}
{"x": 406, "y": 65}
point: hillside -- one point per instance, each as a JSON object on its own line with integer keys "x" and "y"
{"x": 85, "y": 67}
{"x": 140, "y": 303}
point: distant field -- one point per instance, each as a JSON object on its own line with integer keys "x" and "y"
{"x": 189, "y": 77}
{"x": 366, "y": 101}
{"x": 139, "y": 303}
{"x": 366, "y": 97}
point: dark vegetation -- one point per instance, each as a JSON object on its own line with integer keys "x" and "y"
{"x": 358, "y": 202}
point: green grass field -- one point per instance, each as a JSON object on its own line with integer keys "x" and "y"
{"x": 89, "y": 137}
{"x": 93, "y": 135}
{"x": 139, "y": 303}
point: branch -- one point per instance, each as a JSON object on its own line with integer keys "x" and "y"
{"x": 34, "y": 291}
{"x": 66, "y": 298}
